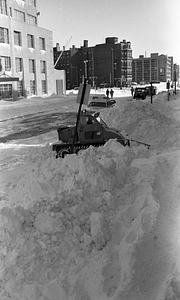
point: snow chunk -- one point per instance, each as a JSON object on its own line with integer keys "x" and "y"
{"x": 87, "y": 239}
{"x": 109, "y": 200}
{"x": 31, "y": 292}
{"x": 91, "y": 171}
{"x": 54, "y": 291}
{"x": 46, "y": 224}
{"x": 99, "y": 230}
{"x": 9, "y": 219}
{"x": 72, "y": 162}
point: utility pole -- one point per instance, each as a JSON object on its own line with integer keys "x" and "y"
{"x": 93, "y": 66}
{"x": 151, "y": 83}
{"x": 168, "y": 87}
{"x": 175, "y": 78}
{"x": 110, "y": 79}
{"x": 112, "y": 67}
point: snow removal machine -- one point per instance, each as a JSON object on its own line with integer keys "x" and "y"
{"x": 90, "y": 130}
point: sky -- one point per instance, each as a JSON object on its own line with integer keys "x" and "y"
{"x": 150, "y": 25}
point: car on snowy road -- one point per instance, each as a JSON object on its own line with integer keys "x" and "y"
{"x": 102, "y": 104}
{"x": 140, "y": 93}
{"x": 101, "y": 101}
{"x": 148, "y": 90}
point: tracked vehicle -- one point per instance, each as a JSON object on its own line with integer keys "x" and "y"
{"x": 91, "y": 130}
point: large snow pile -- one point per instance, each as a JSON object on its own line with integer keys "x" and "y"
{"x": 98, "y": 225}
{"x": 146, "y": 122}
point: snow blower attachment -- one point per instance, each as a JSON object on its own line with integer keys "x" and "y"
{"x": 147, "y": 145}
{"x": 90, "y": 130}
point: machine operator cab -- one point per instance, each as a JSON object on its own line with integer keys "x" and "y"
{"x": 91, "y": 127}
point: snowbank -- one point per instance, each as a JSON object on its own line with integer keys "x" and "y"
{"x": 156, "y": 124}
{"x": 78, "y": 209}
{"x": 99, "y": 225}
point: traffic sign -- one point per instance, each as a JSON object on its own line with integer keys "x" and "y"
{"x": 86, "y": 95}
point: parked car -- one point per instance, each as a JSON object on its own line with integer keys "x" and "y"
{"x": 140, "y": 93}
{"x": 148, "y": 90}
{"x": 104, "y": 85}
{"x": 102, "y": 104}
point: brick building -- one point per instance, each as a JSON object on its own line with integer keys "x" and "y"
{"x": 109, "y": 63}
{"x": 26, "y": 58}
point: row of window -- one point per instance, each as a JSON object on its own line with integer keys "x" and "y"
{"x": 33, "y": 87}
{"x": 4, "y": 38}
{"x": 17, "y": 14}
{"x": 19, "y": 64}
{"x": 21, "y": 16}
{"x": 6, "y": 89}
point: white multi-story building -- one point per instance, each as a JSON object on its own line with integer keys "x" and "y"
{"x": 154, "y": 68}
{"x": 26, "y": 56}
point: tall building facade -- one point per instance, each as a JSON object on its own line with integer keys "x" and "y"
{"x": 154, "y": 68}
{"x": 176, "y": 74}
{"x": 109, "y": 63}
{"x": 26, "y": 58}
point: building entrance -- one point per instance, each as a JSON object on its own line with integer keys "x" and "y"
{"x": 5, "y": 91}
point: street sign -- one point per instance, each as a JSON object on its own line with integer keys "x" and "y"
{"x": 86, "y": 95}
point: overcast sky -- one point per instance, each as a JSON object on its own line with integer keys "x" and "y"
{"x": 150, "y": 25}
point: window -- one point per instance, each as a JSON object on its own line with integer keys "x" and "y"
{"x": 33, "y": 87}
{"x": 4, "y": 35}
{"x": 20, "y": 88}
{"x": 17, "y": 38}
{"x": 31, "y": 66}
{"x": 31, "y": 20}
{"x": 30, "y": 39}
{"x": 19, "y": 66}
{"x": 7, "y": 61}
{"x": 43, "y": 66}
{"x": 19, "y": 15}
{"x": 162, "y": 71}
{"x": 42, "y": 43}
{"x": 43, "y": 84}
{"x": 31, "y": 2}
{"x": 3, "y": 7}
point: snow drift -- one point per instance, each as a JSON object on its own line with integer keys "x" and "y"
{"x": 97, "y": 225}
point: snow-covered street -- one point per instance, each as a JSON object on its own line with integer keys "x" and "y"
{"x": 100, "y": 225}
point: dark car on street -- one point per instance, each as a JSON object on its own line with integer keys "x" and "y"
{"x": 140, "y": 93}
{"x": 148, "y": 90}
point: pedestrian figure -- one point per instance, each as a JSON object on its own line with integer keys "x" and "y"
{"x": 107, "y": 93}
{"x": 132, "y": 91}
{"x": 111, "y": 93}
